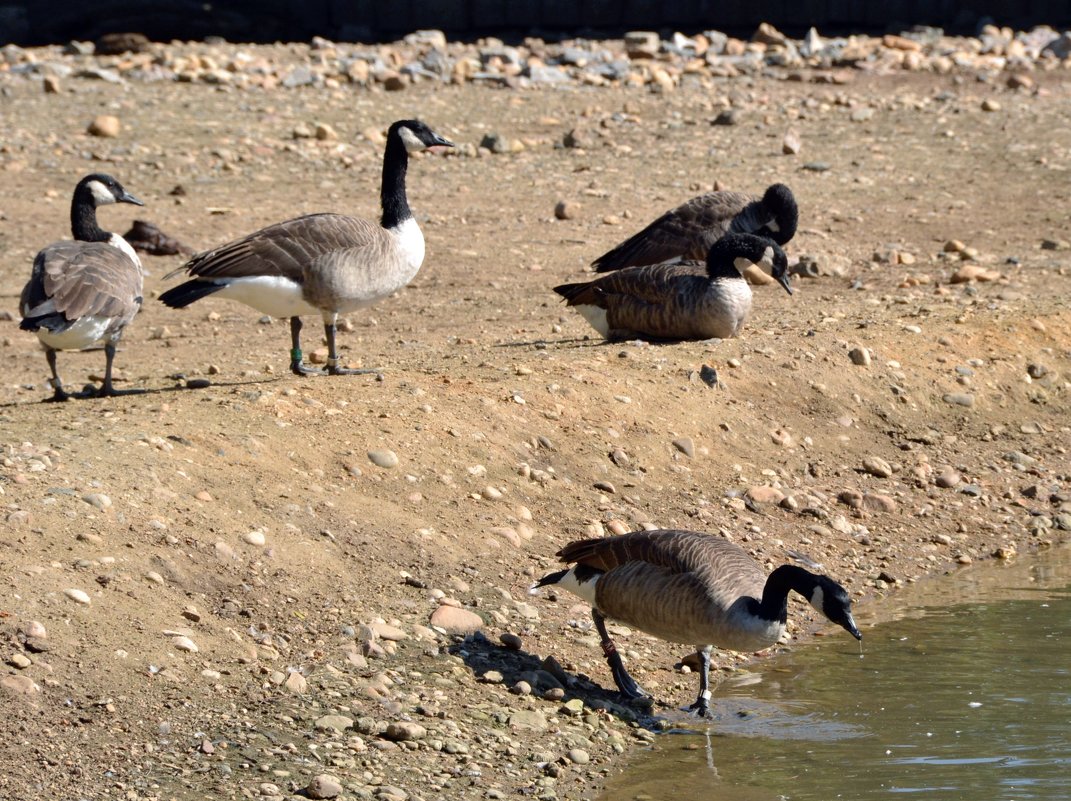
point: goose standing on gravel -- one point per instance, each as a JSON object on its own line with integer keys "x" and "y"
{"x": 689, "y": 231}
{"x": 689, "y": 587}
{"x": 84, "y": 292}
{"x": 685, "y": 300}
{"x": 326, "y": 264}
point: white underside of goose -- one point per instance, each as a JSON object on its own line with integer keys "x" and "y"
{"x": 731, "y": 303}
{"x": 278, "y": 296}
{"x": 582, "y": 589}
{"x": 273, "y": 295}
{"x": 596, "y": 317}
{"x": 82, "y": 333}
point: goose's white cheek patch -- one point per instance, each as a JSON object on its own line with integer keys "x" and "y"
{"x": 411, "y": 140}
{"x": 818, "y": 599}
{"x": 102, "y": 196}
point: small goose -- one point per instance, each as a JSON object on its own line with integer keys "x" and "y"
{"x": 326, "y": 264}
{"x": 689, "y": 587}
{"x": 688, "y": 231}
{"x": 87, "y": 291}
{"x": 685, "y": 300}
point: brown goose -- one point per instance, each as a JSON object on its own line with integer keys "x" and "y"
{"x": 87, "y": 291}
{"x": 686, "y": 300}
{"x": 688, "y": 231}
{"x": 326, "y": 264}
{"x": 688, "y": 587}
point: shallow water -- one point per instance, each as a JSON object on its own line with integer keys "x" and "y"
{"x": 970, "y": 700}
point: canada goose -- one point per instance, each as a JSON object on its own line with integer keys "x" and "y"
{"x": 688, "y": 231}
{"x": 686, "y": 300}
{"x": 85, "y": 291}
{"x": 320, "y": 263}
{"x": 689, "y": 587}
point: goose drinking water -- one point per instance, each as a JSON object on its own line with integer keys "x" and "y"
{"x": 689, "y": 587}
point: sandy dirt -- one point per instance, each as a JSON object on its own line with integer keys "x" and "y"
{"x": 515, "y": 429}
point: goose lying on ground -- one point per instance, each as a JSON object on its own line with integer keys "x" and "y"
{"x": 689, "y": 587}
{"x": 84, "y": 292}
{"x": 686, "y": 300}
{"x": 326, "y": 264}
{"x": 689, "y": 231}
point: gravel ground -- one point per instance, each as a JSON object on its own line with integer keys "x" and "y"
{"x": 248, "y": 588}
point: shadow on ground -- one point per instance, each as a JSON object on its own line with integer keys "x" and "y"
{"x": 494, "y": 663}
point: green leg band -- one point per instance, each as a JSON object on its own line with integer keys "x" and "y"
{"x": 295, "y": 355}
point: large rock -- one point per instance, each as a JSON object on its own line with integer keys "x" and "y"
{"x": 642, "y": 44}
{"x": 456, "y": 621}
{"x": 324, "y": 786}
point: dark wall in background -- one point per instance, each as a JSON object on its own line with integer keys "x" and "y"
{"x": 58, "y": 21}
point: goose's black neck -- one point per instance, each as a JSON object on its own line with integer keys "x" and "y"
{"x": 721, "y": 260}
{"x": 774, "y": 603}
{"x": 84, "y": 225}
{"x": 723, "y": 268}
{"x": 779, "y": 203}
{"x": 392, "y": 191}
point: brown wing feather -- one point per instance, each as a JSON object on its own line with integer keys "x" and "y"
{"x": 84, "y": 278}
{"x": 687, "y": 232}
{"x": 676, "y": 550}
{"x": 653, "y": 283}
{"x": 283, "y": 249}
{"x": 659, "y": 548}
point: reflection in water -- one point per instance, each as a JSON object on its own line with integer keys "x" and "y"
{"x": 970, "y": 701}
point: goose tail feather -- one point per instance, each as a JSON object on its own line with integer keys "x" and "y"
{"x": 184, "y": 294}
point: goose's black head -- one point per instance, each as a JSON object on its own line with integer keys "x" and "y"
{"x": 100, "y": 189}
{"x": 832, "y": 600}
{"x": 742, "y": 250}
{"x": 780, "y": 203}
{"x": 416, "y": 136}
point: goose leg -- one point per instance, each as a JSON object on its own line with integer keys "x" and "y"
{"x": 701, "y": 706}
{"x": 332, "y": 355}
{"x": 107, "y": 390}
{"x": 625, "y": 683}
{"x": 296, "y": 367}
{"x": 58, "y": 393}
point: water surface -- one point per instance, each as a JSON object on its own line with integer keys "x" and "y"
{"x": 962, "y": 692}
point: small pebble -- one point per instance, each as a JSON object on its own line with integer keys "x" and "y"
{"x": 296, "y": 683}
{"x": 876, "y": 466}
{"x": 860, "y": 356}
{"x": 405, "y": 730}
{"x": 185, "y": 644}
{"x": 98, "y": 500}
{"x": 105, "y": 125}
{"x": 254, "y": 537}
{"x": 567, "y": 210}
{"x": 948, "y": 479}
{"x": 578, "y": 756}
{"x": 383, "y": 458}
{"x": 78, "y": 596}
{"x": 685, "y": 446}
{"x": 959, "y": 399}
{"x": 324, "y": 786}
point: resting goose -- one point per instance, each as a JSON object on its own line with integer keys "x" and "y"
{"x": 688, "y": 231}
{"x": 84, "y": 292}
{"x": 689, "y": 587}
{"x": 685, "y": 300}
{"x": 326, "y": 264}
